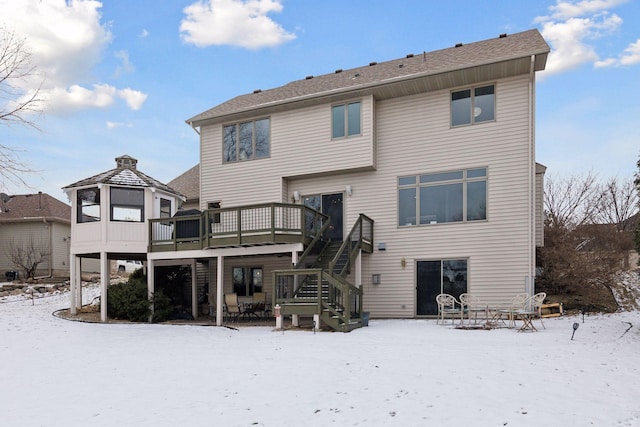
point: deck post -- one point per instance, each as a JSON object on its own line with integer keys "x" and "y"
{"x": 73, "y": 284}
{"x": 78, "y": 283}
{"x": 194, "y": 290}
{"x": 219, "y": 288}
{"x": 151, "y": 283}
{"x": 104, "y": 284}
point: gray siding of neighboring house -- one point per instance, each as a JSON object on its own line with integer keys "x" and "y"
{"x": 46, "y": 236}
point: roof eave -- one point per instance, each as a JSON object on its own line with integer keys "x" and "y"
{"x": 540, "y": 63}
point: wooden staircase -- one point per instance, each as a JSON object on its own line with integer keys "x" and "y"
{"x": 318, "y": 284}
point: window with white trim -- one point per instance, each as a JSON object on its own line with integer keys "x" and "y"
{"x": 474, "y": 105}
{"x": 127, "y": 204}
{"x": 345, "y": 120}
{"x": 434, "y": 198}
{"x": 88, "y": 205}
{"x": 246, "y": 141}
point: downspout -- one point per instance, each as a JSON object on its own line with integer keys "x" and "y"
{"x": 531, "y": 178}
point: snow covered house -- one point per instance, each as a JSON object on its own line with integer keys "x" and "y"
{"x": 387, "y": 184}
{"x": 109, "y": 220}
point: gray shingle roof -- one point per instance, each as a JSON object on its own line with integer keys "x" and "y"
{"x": 28, "y": 206}
{"x": 503, "y": 48}
{"x": 188, "y": 183}
{"x": 125, "y": 176}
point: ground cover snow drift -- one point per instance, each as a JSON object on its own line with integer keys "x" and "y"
{"x": 56, "y": 372}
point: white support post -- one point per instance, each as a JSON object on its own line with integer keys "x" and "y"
{"x": 219, "y": 291}
{"x": 151, "y": 283}
{"x": 316, "y": 321}
{"x": 104, "y": 283}
{"x": 73, "y": 284}
{"x": 79, "y": 284}
{"x": 295, "y": 319}
{"x": 194, "y": 290}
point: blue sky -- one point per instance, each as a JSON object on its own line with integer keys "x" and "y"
{"x": 122, "y": 77}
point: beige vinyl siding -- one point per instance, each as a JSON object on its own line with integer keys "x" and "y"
{"x": 414, "y": 137}
{"x": 301, "y": 144}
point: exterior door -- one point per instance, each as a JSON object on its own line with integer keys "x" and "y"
{"x": 436, "y": 277}
{"x": 332, "y": 206}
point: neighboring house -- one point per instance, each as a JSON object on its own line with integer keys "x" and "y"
{"x": 109, "y": 220}
{"x": 36, "y": 224}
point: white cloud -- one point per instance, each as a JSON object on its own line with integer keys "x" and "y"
{"x": 566, "y": 10}
{"x": 573, "y": 28}
{"x": 631, "y": 54}
{"x": 133, "y": 98}
{"x": 66, "y": 40}
{"x": 233, "y": 22}
{"x": 75, "y": 98}
{"x": 144, "y": 34}
{"x": 125, "y": 65}
{"x": 114, "y": 125}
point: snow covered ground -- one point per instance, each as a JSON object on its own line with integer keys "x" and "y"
{"x": 55, "y": 372}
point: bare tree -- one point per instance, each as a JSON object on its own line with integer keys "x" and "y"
{"x": 18, "y": 99}
{"x": 583, "y": 247}
{"x": 567, "y": 202}
{"x": 27, "y": 256}
{"x": 616, "y": 203}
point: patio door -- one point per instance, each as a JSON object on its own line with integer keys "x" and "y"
{"x": 436, "y": 277}
{"x": 332, "y": 206}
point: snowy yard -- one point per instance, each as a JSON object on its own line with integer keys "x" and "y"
{"x": 55, "y": 372}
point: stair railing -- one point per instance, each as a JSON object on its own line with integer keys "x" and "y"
{"x": 360, "y": 237}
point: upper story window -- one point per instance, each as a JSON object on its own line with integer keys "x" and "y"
{"x": 345, "y": 120}
{"x": 473, "y": 105}
{"x": 127, "y": 204}
{"x": 246, "y": 141}
{"x": 165, "y": 208}
{"x": 88, "y": 205}
{"x": 443, "y": 197}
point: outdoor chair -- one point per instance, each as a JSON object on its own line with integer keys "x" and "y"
{"x": 532, "y": 310}
{"x": 448, "y": 305}
{"x": 517, "y": 303}
{"x": 261, "y": 306}
{"x": 472, "y": 304}
{"x": 232, "y": 308}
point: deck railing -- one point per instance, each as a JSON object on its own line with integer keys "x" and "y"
{"x": 237, "y": 226}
